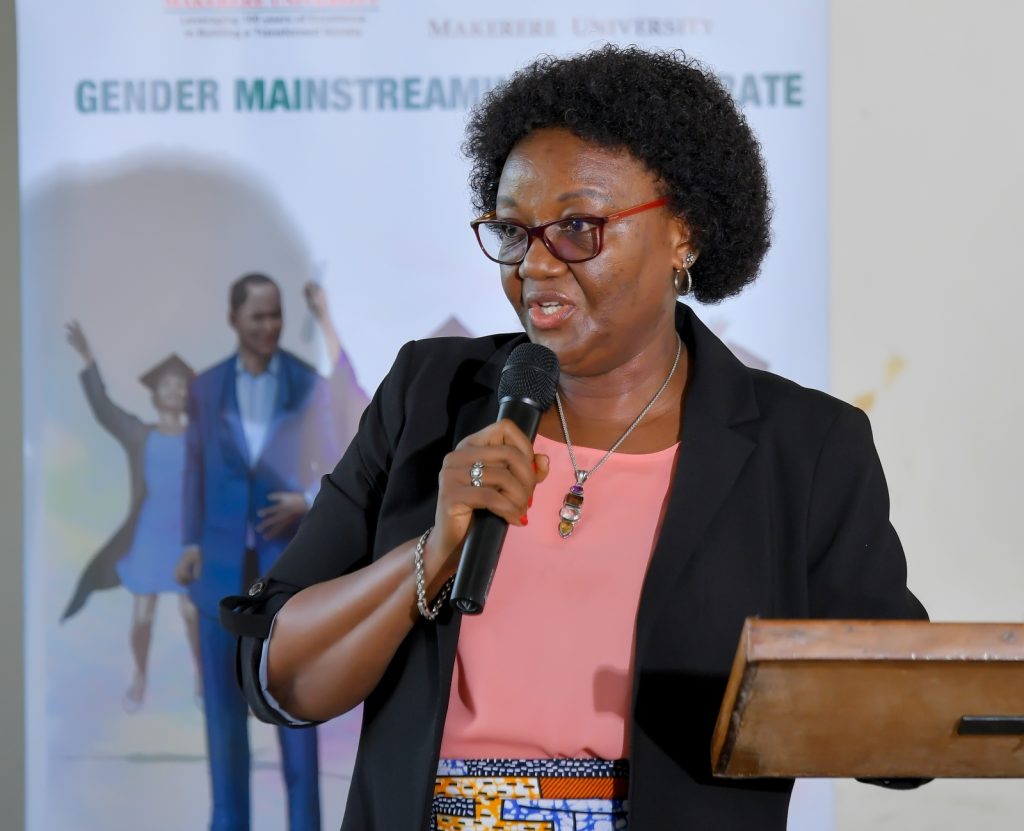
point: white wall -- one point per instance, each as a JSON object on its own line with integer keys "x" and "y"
{"x": 927, "y": 132}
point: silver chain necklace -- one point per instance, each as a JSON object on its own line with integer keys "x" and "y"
{"x": 572, "y": 505}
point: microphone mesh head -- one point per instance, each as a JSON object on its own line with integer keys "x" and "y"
{"x": 530, "y": 372}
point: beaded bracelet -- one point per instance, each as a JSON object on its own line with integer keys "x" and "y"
{"x": 421, "y": 584}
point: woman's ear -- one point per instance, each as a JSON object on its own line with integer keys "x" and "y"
{"x": 684, "y": 254}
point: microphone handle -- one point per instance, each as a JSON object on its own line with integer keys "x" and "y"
{"x": 487, "y": 531}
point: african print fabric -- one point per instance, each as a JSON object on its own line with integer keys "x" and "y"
{"x": 531, "y": 795}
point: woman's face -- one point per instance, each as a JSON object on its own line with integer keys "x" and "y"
{"x": 599, "y": 314}
{"x": 171, "y": 392}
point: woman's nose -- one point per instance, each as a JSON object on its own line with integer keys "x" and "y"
{"x": 539, "y": 263}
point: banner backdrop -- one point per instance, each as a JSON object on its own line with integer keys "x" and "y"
{"x": 169, "y": 146}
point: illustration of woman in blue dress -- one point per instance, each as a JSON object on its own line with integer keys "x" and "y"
{"x": 142, "y": 553}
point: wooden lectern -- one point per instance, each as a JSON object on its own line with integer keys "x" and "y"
{"x": 873, "y": 699}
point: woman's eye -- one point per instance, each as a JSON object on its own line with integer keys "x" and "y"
{"x": 506, "y": 233}
{"x": 574, "y": 225}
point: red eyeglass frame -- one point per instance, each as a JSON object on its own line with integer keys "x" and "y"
{"x": 537, "y": 231}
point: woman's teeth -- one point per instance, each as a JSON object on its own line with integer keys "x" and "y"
{"x": 550, "y": 308}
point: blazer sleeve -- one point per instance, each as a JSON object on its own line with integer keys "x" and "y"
{"x": 860, "y": 570}
{"x": 122, "y": 425}
{"x": 857, "y": 568}
{"x": 337, "y": 535}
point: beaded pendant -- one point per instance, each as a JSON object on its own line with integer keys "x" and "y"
{"x": 572, "y": 506}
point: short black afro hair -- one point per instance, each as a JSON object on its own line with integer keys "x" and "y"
{"x": 673, "y": 115}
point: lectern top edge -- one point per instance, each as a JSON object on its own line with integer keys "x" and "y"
{"x": 873, "y": 699}
{"x": 886, "y": 640}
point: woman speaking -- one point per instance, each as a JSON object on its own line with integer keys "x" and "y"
{"x": 671, "y": 491}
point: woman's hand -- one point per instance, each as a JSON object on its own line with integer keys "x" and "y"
{"x": 76, "y": 337}
{"x": 316, "y": 300}
{"x": 511, "y": 471}
{"x": 333, "y": 641}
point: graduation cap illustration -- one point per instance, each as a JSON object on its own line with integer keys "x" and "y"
{"x": 172, "y": 364}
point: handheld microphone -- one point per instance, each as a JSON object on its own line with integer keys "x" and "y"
{"x": 526, "y": 391}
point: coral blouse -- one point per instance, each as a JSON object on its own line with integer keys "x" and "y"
{"x": 546, "y": 671}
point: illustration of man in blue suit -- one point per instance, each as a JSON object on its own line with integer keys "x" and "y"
{"x": 263, "y": 427}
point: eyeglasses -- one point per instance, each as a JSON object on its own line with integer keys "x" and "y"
{"x": 572, "y": 239}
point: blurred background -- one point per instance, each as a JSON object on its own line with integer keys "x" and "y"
{"x": 893, "y": 284}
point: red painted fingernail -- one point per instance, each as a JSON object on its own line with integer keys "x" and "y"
{"x": 535, "y": 467}
{"x": 523, "y": 520}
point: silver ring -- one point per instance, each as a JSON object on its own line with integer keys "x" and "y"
{"x": 476, "y": 474}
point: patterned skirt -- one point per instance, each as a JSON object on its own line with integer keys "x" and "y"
{"x": 531, "y": 795}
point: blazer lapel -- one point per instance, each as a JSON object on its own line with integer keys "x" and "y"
{"x": 712, "y": 453}
{"x": 232, "y": 435}
{"x": 481, "y": 408}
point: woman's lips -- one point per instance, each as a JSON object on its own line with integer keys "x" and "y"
{"x": 549, "y": 315}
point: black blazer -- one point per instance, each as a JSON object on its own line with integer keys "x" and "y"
{"x": 778, "y": 508}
